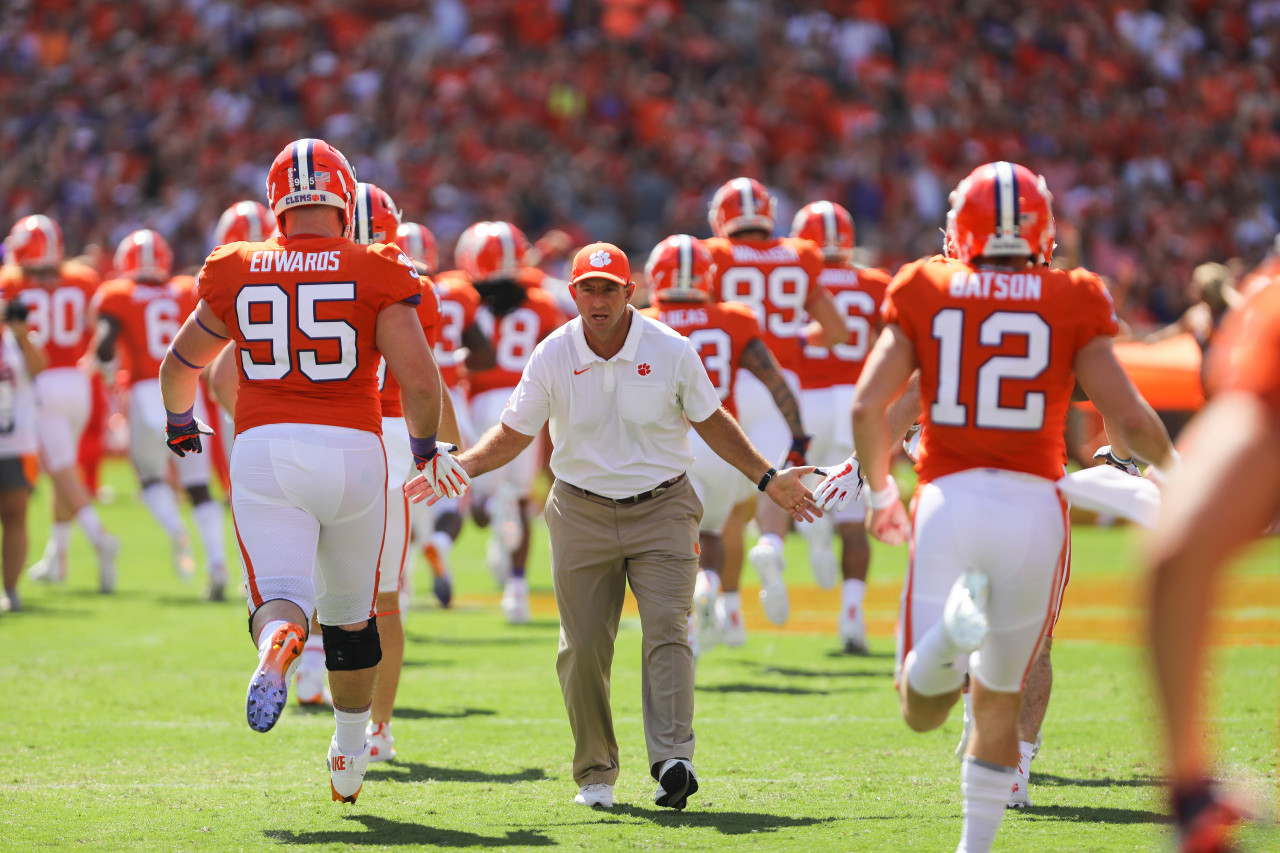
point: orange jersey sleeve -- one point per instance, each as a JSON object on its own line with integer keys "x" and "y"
{"x": 303, "y": 313}
{"x": 429, "y": 317}
{"x": 718, "y": 331}
{"x": 996, "y": 352}
{"x": 774, "y": 278}
{"x": 1250, "y": 359}
{"x": 459, "y": 302}
{"x": 58, "y": 310}
{"x": 514, "y": 336}
{"x": 857, "y": 294}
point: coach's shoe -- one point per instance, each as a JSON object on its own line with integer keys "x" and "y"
{"x": 676, "y": 782}
{"x": 269, "y": 686}
{"x": 769, "y": 565}
{"x": 184, "y": 562}
{"x": 382, "y": 746}
{"x": 515, "y": 601}
{"x": 346, "y": 772}
{"x": 597, "y": 794}
{"x": 106, "y": 552}
{"x": 964, "y": 617}
{"x": 818, "y": 536}
{"x": 51, "y": 568}
{"x": 853, "y": 631}
{"x": 730, "y": 624}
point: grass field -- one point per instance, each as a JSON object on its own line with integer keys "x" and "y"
{"x": 124, "y": 724}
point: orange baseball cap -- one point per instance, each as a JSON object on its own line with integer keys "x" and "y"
{"x": 601, "y": 260}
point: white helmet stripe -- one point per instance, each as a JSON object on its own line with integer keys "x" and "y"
{"x": 830, "y": 228}
{"x": 509, "y": 260}
{"x": 685, "y": 277}
{"x": 46, "y": 226}
{"x": 146, "y": 242}
{"x": 1006, "y": 200}
{"x": 743, "y": 186}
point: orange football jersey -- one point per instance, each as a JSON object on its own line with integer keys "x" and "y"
{"x": 1250, "y": 356}
{"x": 996, "y": 353}
{"x": 59, "y": 309}
{"x": 777, "y": 278}
{"x": 857, "y": 294}
{"x": 303, "y": 313}
{"x": 429, "y": 316}
{"x": 514, "y": 336}
{"x": 458, "y": 304}
{"x": 148, "y": 316}
{"x": 718, "y": 331}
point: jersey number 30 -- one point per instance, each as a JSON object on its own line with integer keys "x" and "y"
{"x": 948, "y": 330}
{"x": 255, "y": 300}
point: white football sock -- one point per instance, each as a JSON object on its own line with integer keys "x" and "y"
{"x": 349, "y": 730}
{"x": 60, "y": 536}
{"x": 732, "y": 600}
{"x": 163, "y": 504}
{"x": 210, "y": 521}
{"x": 443, "y": 542}
{"x": 986, "y": 791}
{"x": 852, "y": 593}
{"x": 312, "y": 652}
{"x": 772, "y": 540}
{"x": 268, "y": 630}
{"x": 1026, "y": 750}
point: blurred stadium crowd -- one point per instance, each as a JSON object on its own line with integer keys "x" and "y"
{"x": 1155, "y": 123}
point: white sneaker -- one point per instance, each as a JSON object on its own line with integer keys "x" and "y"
{"x": 964, "y": 618}
{"x": 769, "y": 565}
{"x": 312, "y": 685}
{"x": 346, "y": 772}
{"x": 730, "y": 625}
{"x": 498, "y": 559}
{"x": 107, "y": 552}
{"x": 51, "y": 568}
{"x": 598, "y": 794}
{"x": 515, "y": 601}
{"x": 853, "y": 631}
{"x": 818, "y": 536}
{"x": 382, "y": 746}
{"x": 184, "y": 562}
{"x": 1020, "y": 796}
{"x": 706, "y": 592}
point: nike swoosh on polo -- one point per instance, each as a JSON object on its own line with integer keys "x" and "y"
{"x": 579, "y": 372}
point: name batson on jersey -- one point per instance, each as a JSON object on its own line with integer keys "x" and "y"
{"x": 988, "y": 284}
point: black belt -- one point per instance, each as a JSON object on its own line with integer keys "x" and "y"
{"x": 633, "y": 499}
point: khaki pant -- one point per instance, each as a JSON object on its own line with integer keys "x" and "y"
{"x": 597, "y": 546}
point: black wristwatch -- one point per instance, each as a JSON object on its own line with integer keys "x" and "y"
{"x": 764, "y": 481}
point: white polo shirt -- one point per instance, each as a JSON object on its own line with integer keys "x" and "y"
{"x": 618, "y": 427}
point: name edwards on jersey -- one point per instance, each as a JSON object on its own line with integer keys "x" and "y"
{"x": 986, "y": 284}
{"x": 288, "y": 261}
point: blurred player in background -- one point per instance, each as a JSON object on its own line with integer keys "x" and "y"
{"x": 20, "y": 360}
{"x": 311, "y": 313}
{"x": 828, "y": 376}
{"x": 140, "y": 312}
{"x": 777, "y": 277}
{"x": 1000, "y": 340}
{"x": 727, "y": 338}
{"x": 516, "y": 314}
{"x": 57, "y": 296}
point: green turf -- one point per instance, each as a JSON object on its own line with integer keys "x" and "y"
{"x": 124, "y": 729}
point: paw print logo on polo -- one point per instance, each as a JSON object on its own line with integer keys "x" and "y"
{"x": 643, "y": 369}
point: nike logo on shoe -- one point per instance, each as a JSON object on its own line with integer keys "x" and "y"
{"x": 579, "y": 372}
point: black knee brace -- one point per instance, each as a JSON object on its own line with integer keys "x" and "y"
{"x": 345, "y": 651}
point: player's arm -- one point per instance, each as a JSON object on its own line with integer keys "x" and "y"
{"x": 480, "y": 352}
{"x": 906, "y": 410}
{"x": 1130, "y": 420}
{"x": 449, "y": 431}
{"x": 400, "y": 339}
{"x": 828, "y": 327}
{"x": 1177, "y": 327}
{"x": 724, "y": 436}
{"x": 757, "y": 360}
{"x": 223, "y": 379}
{"x": 197, "y": 343}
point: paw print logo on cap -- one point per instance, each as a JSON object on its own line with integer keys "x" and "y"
{"x": 600, "y": 259}
{"x": 644, "y": 370}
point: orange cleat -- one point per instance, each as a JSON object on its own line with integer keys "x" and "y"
{"x": 269, "y": 686}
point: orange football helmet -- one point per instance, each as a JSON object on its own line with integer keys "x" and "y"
{"x": 419, "y": 244}
{"x": 377, "y": 217}
{"x": 311, "y": 171}
{"x": 144, "y": 255}
{"x": 489, "y": 250}
{"x": 742, "y": 204}
{"x": 1001, "y": 210}
{"x": 829, "y": 225}
{"x": 680, "y": 269}
{"x": 244, "y": 221}
{"x": 34, "y": 241}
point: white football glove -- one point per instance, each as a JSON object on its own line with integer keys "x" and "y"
{"x": 443, "y": 474}
{"x": 841, "y": 486}
{"x": 1108, "y": 457}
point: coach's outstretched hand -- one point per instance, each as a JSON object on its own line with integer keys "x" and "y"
{"x": 786, "y": 490}
{"x": 442, "y": 476}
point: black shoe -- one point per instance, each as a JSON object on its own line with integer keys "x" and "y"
{"x": 676, "y": 781}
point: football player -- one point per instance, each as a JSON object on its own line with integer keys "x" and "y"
{"x": 1000, "y": 340}
{"x": 57, "y": 295}
{"x": 139, "y": 312}
{"x": 516, "y": 315}
{"x": 727, "y": 338}
{"x": 828, "y": 376}
{"x": 777, "y": 277}
{"x": 311, "y": 313}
